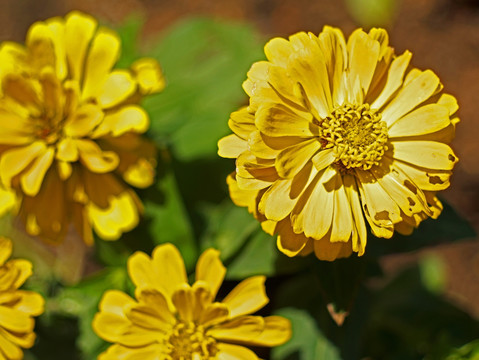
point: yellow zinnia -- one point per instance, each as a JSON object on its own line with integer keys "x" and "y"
{"x": 338, "y": 133}
{"x": 69, "y": 130}
{"x": 17, "y": 307}
{"x": 172, "y": 320}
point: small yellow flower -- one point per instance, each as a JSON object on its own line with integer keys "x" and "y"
{"x": 339, "y": 133}
{"x": 172, "y": 320}
{"x": 17, "y": 307}
{"x": 70, "y": 130}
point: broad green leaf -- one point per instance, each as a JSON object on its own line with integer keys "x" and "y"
{"x": 204, "y": 61}
{"x": 168, "y": 219}
{"x": 229, "y": 227}
{"x": 308, "y": 342}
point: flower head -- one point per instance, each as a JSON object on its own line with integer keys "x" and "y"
{"x": 339, "y": 134}
{"x": 17, "y": 307}
{"x": 70, "y": 129}
{"x": 171, "y": 319}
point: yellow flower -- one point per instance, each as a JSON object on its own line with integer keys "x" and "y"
{"x": 172, "y": 320}
{"x": 17, "y": 307}
{"x": 339, "y": 133}
{"x": 70, "y": 130}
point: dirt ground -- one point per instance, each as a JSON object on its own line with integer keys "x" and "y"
{"x": 443, "y": 35}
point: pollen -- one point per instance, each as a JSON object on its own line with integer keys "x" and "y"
{"x": 357, "y": 134}
{"x": 188, "y": 341}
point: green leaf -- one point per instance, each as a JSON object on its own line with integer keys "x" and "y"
{"x": 229, "y": 227}
{"x": 168, "y": 219}
{"x": 81, "y": 301}
{"x": 307, "y": 342}
{"x": 204, "y": 61}
{"x": 260, "y": 256}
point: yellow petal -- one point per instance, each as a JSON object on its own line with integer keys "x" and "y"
{"x": 341, "y": 227}
{"x": 410, "y": 95}
{"x": 288, "y": 242}
{"x": 424, "y": 120}
{"x": 15, "y": 320}
{"x": 103, "y": 54}
{"x": 148, "y": 75}
{"x": 425, "y": 179}
{"x": 120, "y": 216}
{"x": 116, "y": 88}
{"x": 332, "y": 43}
{"x": 30, "y": 303}
{"x": 363, "y": 58}
{"x": 8, "y": 200}
{"x": 291, "y": 160}
{"x": 213, "y": 314}
{"x": 24, "y": 340}
{"x": 24, "y": 271}
{"x": 231, "y": 146}
{"x": 140, "y": 174}
{"x": 276, "y": 203}
{"x": 146, "y": 317}
{"x": 277, "y": 331}
{"x": 11, "y": 350}
{"x": 242, "y": 123}
{"x": 67, "y": 150}
{"x": 79, "y": 30}
{"x": 32, "y": 179}
{"x": 450, "y": 102}
{"x": 394, "y": 80}
{"x": 234, "y": 352}
{"x": 247, "y": 297}
{"x": 83, "y": 121}
{"x": 156, "y": 301}
{"x": 323, "y": 159}
{"x": 381, "y": 211}
{"x": 114, "y": 302}
{"x": 5, "y": 249}
{"x": 185, "y": 303}
{"x": 281, "y": 120}
{"x": 240, "y": 329}
{"x": 427, "y": 154}
{"x": 94, "y": 158}
{"x": 128, "y": 118}
{"x": 119, "y": 352}
{"x": 15, "y": 160}
{"x": 319, "y": 195}
{"x": 210, "y": 269}
{"x": 328, "y": 251}
{"x": 278, "y": 50}
{"x": 168, "y": 260}
{"x": 359, "y": 236}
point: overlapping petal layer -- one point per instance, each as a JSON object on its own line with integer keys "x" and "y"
{"x": 339, "y": 134}
{"x": 170, "y": 319}
{"x": 71, "y": 130}
{"x": 17, "y": 307}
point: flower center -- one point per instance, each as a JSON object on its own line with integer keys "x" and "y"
{"x": 188, "y": 339}
{"x": 357, "y": 135}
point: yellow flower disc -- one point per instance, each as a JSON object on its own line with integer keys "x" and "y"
{"x": 169, "y": 319}
{"x": 339, "y": 134}
{"x": 70, "y": 130}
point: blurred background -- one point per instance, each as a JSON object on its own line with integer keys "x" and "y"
{"x": 443, "y": 35}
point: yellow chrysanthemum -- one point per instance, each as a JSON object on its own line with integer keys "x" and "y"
{"x": 17, "y": 307}
{"x": 172, "y": 320}
{"x": 70, "y": 129}
{"x": 338, "y": 133}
